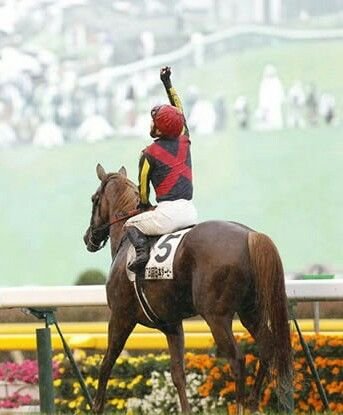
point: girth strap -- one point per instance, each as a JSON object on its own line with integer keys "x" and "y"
{"x": 143, "y": 301}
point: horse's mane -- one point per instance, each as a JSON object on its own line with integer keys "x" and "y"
{"x": 129, "y": 197}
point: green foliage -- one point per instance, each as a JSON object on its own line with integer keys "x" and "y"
{"x": 91, "y": 277}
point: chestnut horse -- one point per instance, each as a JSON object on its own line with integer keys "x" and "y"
{"x": 220, "y": 268}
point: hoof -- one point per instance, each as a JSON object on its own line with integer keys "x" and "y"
{"x": 97, "y": 409}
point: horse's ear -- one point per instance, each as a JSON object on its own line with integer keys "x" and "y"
{"x": 100, "y": 171}
{"x": 122, "y": 171}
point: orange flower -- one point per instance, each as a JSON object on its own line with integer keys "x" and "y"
{"x": 215, "y": 373}
{"x": 231, "y": 409}
{"x": 249, "y": 380}
{"x": 303, "y": 405}
{"x": 249, "y": 358}
{"x": 229, "y": 387}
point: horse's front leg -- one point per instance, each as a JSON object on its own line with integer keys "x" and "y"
{"x": 119, "y": 330}
{"x": 175, "y": 338}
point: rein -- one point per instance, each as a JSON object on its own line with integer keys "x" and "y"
{"x": 122, "y": 216}
{"x": 105, "y": 227}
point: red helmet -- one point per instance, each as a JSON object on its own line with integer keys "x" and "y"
{"x": 168, "y": 120}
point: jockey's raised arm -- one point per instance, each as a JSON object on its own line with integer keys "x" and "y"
{"x": 173, "y": 97}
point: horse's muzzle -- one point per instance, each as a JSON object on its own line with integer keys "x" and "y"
{"x": 88, "y": 240}
{"x": 86, "y": 236}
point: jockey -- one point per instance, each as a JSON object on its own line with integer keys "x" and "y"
{"x": 166, "y": 163}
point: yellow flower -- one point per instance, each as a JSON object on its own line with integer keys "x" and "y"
{"x": 113, "y": 382}
{"x": 121, "y": 404}
{"x": 79, "y": 355}
{"x": 59, "y": 357}
{"x": 57, "y": 382}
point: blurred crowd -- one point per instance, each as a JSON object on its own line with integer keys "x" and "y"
{"x": 53, "y": 109}
{"x": 44, "y": 100}
{"x": 301, "y": 105}
{"x": 47, "y": 48}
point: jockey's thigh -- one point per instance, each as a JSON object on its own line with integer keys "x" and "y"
{"x": 167, "y": 217}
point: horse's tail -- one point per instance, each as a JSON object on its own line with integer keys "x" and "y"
{"x": 272, "y": 302}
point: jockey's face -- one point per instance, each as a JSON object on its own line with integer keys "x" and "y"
{"x": 154, "y": 132}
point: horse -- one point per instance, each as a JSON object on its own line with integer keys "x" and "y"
{"x": 220, "y": 268}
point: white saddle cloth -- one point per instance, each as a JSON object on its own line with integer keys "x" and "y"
{"x": 160, "y": 264}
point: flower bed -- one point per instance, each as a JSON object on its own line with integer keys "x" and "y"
{"x": 19, "y": 384}
{"x": 144, "y": 383}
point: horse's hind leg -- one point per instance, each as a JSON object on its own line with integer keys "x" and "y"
{"x": 175, "y": 338}
{"x": 118, "y": 332}
{"x": 262, "y": 337}
{"x": 221, "y": 328}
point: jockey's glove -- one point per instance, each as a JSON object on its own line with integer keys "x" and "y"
{"x": 165, "y": 76}
{"x": 144, "y": 206}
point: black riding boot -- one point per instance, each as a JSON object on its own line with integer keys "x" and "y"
{"x": 140, "y": 243}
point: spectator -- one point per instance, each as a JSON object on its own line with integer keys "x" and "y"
{"x": 220, "y": 109}
{"x": 271, "y": 100}
{"x": 202, "y": 119}
{"x": 8, "y": 135}
{"x": 94, "y": 128}
{"x": 296, "y": 101}
{"x": 312, "y": 105}
{"x": 48, "y": 134}
{"x": 192, "y": 96}
{"x": 327, "y": 108}
{"x": 242, "y": 112}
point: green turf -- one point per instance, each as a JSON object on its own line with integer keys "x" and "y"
{"x": 287, "y": 184}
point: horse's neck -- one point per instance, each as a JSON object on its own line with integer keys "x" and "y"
{"x": 121, "y": 243}
{"x": 127, "y": 202}
{"x": 116, "y": 235}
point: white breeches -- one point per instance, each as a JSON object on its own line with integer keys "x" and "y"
{"x": 167, "y": 217}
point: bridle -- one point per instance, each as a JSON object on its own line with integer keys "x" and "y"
{"x": 104, "y": 229}
{"x": 102, "y": 232}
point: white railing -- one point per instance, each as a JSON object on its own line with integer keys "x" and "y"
{"x": 95, "y": 295}
{"x": 197, "y": 43}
